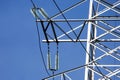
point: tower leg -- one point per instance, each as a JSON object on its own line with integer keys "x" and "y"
{"x": 88, "y": 40}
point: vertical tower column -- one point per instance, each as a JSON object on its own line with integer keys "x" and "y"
{"x": 88, "y": 39}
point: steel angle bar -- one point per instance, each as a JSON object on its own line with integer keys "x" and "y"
{"x": 67, "y": 40}
{"x": 97, "y": 8}
{"x": 109, "y": 40}
{"x": 105, "y": 23}
{"x": 67, "y": 76}
{"x": 50, "y": 36}
{"x": 78, "y": 20}
{"x": 104, "y": 46}
{"x": 100, "y": 49}
{"x": 115, "y": 57}
{"x": 105, "y": 52}
{"x": 88, "y": 38}
{"x": 108, "y": 5}
{"x": 44, "y": 31}
{"x": 82, "y": 40}
{"x": 81, "y": 30}
{"x": 118, "y": 54}
{"x": 114, "y": 50}
{"x": 54, "y": 32}
{"x": 97, "y": 72}
{"x": 107, "y": 32}
{"x": 112, "y": 73}
{"x": 111, "y": 50}
{"x": 70, "y": 31}
{"x": 106, "y": 67}
{"x": 98, "y": 58}
{"x": 105, "y": 10}
{"x": 63, "y": 31}
{"x": 98, "y": 65}
{"x": 108, "y": 17}
{"x": 61, "y": 77}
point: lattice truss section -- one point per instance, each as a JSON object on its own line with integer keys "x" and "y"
{"x": 98, "y": 26}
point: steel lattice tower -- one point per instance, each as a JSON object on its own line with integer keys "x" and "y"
{"x": 102, "y": 26}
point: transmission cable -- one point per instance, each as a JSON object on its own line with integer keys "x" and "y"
{"x": 39, "y": 39}
{"x": 64, "y": 16}
{"x": 40, "y": 48}
{"x": 33, "y": 3}
{"x": 76, "y": 35}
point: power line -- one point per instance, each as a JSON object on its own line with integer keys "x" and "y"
{"x": 76, "y": 35}
{"x": 39, "y": 39}
{"x": 33, "y": 3}
{"x": 64, "y": 16}
{"x": 40, "y": 48}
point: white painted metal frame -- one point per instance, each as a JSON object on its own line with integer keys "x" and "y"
{"x": 93, "y": 20}
{"x": 88, "y": 39}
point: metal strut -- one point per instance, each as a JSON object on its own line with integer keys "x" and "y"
{"x": 101, "y": 31}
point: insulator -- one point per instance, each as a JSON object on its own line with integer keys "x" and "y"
{"x": 43, "y": 13}
{"x": 35, "y": 13}
{"x": 49, "y": 60}
{"x": 57, "y": 61}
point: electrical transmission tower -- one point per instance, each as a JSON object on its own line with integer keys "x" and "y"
{"x": 98, "y": 32}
